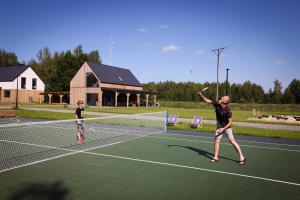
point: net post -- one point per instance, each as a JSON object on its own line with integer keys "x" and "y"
{"x": 166, "y": 120}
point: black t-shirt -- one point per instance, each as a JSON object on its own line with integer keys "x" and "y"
{"x": 78, "y": 112}
{"x": 222, "y": 114}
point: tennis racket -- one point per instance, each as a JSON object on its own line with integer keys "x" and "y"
{"x": 204, "y": 89}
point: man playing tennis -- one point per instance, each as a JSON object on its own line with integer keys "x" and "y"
{"x": 224, "y": 121}
{"x": 79, "y": 122}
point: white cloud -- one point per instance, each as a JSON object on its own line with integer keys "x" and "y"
{"x": 163, "y": 26}
{"x": 279, "y": 62}
{"x": 143, "y": 30}
{"x": 169, "y": 48}
{"x": 199, "y": 52}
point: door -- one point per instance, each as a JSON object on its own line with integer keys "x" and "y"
{"x": 91, "y": 99}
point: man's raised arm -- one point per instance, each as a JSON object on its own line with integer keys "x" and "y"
{"x": 205, "y": 99}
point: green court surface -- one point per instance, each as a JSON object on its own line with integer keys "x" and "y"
{"x": 162, "y": 166}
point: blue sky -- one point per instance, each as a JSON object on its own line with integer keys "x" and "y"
{"x": 165, "y": 40}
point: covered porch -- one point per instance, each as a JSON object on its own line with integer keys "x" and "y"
{"x": 54, "y": 97}
{"x": 126, "y": 98}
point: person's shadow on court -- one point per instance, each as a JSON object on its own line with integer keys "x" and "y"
{"x": 202, "y": 152}
{"x": 38, "y": 190}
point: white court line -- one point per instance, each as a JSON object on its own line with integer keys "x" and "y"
{"x": 195, "y": 168}
{"x": 133, "y": 159}
{"x": 272, "y": 143}
{"x": 58, "y": 148}
{"x": 202, "y": 141}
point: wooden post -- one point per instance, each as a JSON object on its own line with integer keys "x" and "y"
{"x": 50, "y": 96}
{"x": 138, "y": 100}
{"x": 100, "y": 99}
{"x": 147, "y": 100}
{"x": 60, "y": 98}
{"x": 116, "y": 99}
{"x": 40, "y": 99}
{"x": 127, "y": 94}
{"x": 154, "y": 99}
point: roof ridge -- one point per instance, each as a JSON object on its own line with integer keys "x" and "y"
{"x": 106, "y": 65}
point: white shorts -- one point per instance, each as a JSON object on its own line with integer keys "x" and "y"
{"x": 227, "y": 132}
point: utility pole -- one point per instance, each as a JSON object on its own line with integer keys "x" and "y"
{"x": 227, "y": 83}
{"x": 17, "y": 93}
{"x": 218, "y": 52}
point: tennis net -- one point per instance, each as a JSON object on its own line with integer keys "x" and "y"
{"x": 23, "y": 144}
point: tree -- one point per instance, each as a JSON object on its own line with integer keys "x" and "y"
{"x": 294, "y": 88}
{"x": 246, "y": 92}
{"x": 235, "y": 94}
{"x": 258, "y": 93}
{"x": 8, "y": 58}
{"x": 43, "y": 66}
{"x": 94, "y": 57}
{"x": 288, "y": 97}
{"x": 277, "y": 94}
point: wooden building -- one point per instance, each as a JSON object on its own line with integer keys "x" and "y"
{"x": 104, "y": 85}
{"x": 21, "y": 80}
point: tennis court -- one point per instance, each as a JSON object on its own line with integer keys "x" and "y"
{"x": 119, "y": 162}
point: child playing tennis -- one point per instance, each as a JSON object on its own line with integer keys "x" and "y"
{"x": 80, "y": 122}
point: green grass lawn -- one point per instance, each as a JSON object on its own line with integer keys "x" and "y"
{"x": 208, "y": 112}
{"x": 263, "y": 108}
{"x": 241, "y": 130}
{"x": 46, "y": 115}
{"x": 204, "y": 110}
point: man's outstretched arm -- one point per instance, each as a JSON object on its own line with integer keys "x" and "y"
{"x": 206, "y": 100}
{"x": 221, "y": 130}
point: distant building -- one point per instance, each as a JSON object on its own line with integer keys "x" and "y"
{"x": 103, "y": 85}
{"x": 25, "y": 79}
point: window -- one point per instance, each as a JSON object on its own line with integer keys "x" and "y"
{"x": 34, "y": 83}
{"x": 91, "y": 80}
{"x": 6, "y": 93}
{"x": 23, "y": 83}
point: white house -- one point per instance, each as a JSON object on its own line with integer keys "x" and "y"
{"x": 25, "y": 79}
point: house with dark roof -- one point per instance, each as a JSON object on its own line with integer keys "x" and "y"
{"x": 22, "y": 82}
{"x": 104, "y": 85}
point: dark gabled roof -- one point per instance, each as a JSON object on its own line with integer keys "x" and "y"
{"x": 115, "y": 75}
{"x": 10, "y": 73}
{"x": 126, "y": 90}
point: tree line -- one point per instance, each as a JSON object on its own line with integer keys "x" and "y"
{"x": 246, "y": 92}
{"x": 58, "y": 68}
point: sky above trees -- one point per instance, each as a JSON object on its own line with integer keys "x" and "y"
{"x": 165, "y": 40}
